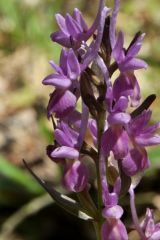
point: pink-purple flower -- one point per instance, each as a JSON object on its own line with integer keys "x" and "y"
{"x": 73, "y": 29}
{"x": 111, "y": 131}
{"x": 126, "y": 58}
{"x": 113, "y": 229}
{"x": 64, "y": 97}
{"x": 150, "y": 229}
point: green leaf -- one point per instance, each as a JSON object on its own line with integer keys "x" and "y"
{"x": 65, "y": 202}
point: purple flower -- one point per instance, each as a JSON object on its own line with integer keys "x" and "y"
{"x": 141, "y": 135}
{"x": 115, "y": 139}
{"x": 118, "y": 118}
{"x": 135, "y": 161}
{"x": 63, "y": 100}
{"x": 61, "y": 103}
{"x": 66, "y": 138}
{"x": 117, "y": 103}
{"x": 140, "y": 130}
{"x": 127, "y": 141}
{"x": 74, "y": 119}
{"x": 126, "y": 85}
{"x": 67, "y": 71}
{"x": 85, "y": 73}
{"x": 93, "y": 129}
{"x": 113, "y": 229}
{"x": 49, "y": 150}
{"x": 110, "y": 200}
{"x": 92, "y": 50}
{"x": 150, "y": 229}
{"x": 73, "y": 29}
{"x": 126, "y": 59}
{"x": 76, "y": 176}
{"x": 65, "y": 152}
{"x": 112, "y": 27}
{"x": 75, "y": 172}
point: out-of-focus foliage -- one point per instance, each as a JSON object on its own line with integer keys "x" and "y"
{"x": 27, "y": 22}
{"x": 15, "y": 182}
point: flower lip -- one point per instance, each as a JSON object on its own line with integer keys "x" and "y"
{"x": 119, "y": 118}
{"x": 112, "y": 212}
{"x": 58, "y": 81}
{"x": 65, "y": 152}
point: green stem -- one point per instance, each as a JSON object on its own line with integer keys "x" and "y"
{"x": 97, "y": 227}
{"x": 100, "y": 128}
{"x": 99, "y": 187}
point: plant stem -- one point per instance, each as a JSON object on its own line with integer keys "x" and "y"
{"x": 100, "y": 129}
{"x": 134, "y": 214}
{"x": 99, "y": 185}
{"x": 97, "y": 227}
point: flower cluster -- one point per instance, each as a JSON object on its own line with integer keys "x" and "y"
{"x": 112, "y": 115}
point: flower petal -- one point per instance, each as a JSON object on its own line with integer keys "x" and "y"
{"x": 138, "y": 123}
{"x": 136, "y": 161}
{"x": 113, "y": 212}
{"x": 115, "y": 140}
{"x": 65, "y": 152}
{"x": 61, "y": 38}
{"x": 79, "y": 19}
{"x": 56, "y": 67}
{"x": 112, "y": 30}
{"x": 118, "y": 52}
{"x": 144, "y": 140}
{"x": 113, "y": 229}
{"x": 49, "y": 150}
{"x": 61, "y": 103}
{"x": 61, "y": 138}
{"x": 61, "y": 23}
{"x": 135, "y": 47}
{"x": 73, "y": 68}
{"x": 94, "y": 47}
{"x": 57, "y": 80}
{"x": 65, "y": 135}
{"x": 121, "y": 104}
{"x": 126, "y": 85}
{"x": 132, "y": 64}
{"x": 76, "y": 177}
{"x": 119, "y": 118}
{"x": 73, "y": 28}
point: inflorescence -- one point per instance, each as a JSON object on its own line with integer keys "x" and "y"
{"x": 112, "y": 115}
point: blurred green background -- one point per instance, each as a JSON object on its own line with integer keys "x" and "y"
{"x": 26, "y": 212}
